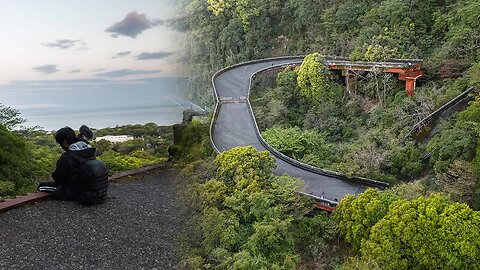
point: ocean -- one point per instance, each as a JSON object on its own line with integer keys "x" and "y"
{"x": 98, "y": 103}
{"x": 103, "y": 117}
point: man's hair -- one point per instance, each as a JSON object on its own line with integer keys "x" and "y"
{"x": 66, "y": 134}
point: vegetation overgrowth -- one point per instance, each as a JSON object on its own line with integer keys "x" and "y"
{"x": 310, "y": 115}
{"x": 358, "y": 135}
{"x": 193, "y": 142}
{"x": 247, "y": 218}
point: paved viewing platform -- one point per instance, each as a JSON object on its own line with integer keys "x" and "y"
{"x": 136, "y": 228}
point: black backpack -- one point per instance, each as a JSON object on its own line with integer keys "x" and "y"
{"x": 93, "y": 177}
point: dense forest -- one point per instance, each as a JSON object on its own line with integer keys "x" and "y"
{"x": 427, "y": 220}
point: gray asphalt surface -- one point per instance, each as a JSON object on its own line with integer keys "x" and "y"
{"x": 135, "y": 229}
{"x": 235, "y": 127}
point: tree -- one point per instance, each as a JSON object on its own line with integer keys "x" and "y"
{"x": 287, "y": 84}
{"x": 377, "y": 52}
{"x": 245, "y": 10}
{"x": 327, "y": 117}
{"x": 102, "y": 146}
{"x": 10, "y": 118}
{"x": 219, "y": 6}
{"x": 471, "y": 116}
{"x": 129, "y": 146}
{"x": 425, "y": 233}
{"x": 17, "y": 167}
{"x": 392, "y": 11}
{"x": 455, "y": 143}
{"x": 242, "y": 163}
{"x": 299, "y": 144}
{"x": 406, "y": 160}
{"x": 313, "y": 77}
{"x": 459, "y": 181}
{"x": 463, "y": 33}
{"x": 355, "y": 216}
{"x": 368, "y": 156}
{"x": 473, "y": 74}
{"x": 252, "y": 219}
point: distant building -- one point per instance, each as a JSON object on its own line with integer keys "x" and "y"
{"x": 115, "y": 139}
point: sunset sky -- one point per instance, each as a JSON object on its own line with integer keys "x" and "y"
{"x": 54, "y": 50}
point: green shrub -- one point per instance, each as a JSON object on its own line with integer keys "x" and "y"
{"x": 457, "y": 142}
{"x": 17, "y": 165}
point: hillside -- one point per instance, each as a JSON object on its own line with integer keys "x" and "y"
{"x": 308, "y": 113}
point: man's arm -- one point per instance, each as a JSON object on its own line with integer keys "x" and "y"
{"x": 60, "y": 173}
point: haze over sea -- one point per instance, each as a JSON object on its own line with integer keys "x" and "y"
{"x": 155, "y": 100}
{"x": 53, "y": 119}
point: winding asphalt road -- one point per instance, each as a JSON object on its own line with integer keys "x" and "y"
{"x": 234, "y": 126}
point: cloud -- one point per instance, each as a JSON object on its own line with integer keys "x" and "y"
{"x": 75, "y": 71}
{"x": 67, "y": 44}
{"x": 58, "y": 83}
{"x": 154, "y": 55}
{"x": 122, "y": 54}
{"x": 125, "y": 72}
{"x": 38, "y": 106}
{"x": 132, "y": 25}
{"x": 46, "y": 69}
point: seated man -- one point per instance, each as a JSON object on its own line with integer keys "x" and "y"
{"x": 67, "y": 185}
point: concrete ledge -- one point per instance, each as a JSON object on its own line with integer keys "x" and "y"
{"x": 23, "y": 200}
{"x": 135, "y": 171}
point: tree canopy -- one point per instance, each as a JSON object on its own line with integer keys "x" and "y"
{"x": 10, "y": 117}
{"x": 313, "y": 77}
{"x": 426, "y": 233}
{"x": 251, "y": 219}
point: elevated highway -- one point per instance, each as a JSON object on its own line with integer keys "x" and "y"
{"x": 234, "y": 125}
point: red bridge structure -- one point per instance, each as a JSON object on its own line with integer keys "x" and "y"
{"x": 408, "y": 70}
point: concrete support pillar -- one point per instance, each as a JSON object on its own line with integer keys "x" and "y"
{"x": 350, "y": 81}
{"x": 410, "y": 87}
{"x": 410, "y": 79}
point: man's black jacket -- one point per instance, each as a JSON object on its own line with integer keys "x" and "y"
{"x": 67, "y": 172}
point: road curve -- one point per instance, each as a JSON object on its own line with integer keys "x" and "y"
{"x": 234, "y": 125}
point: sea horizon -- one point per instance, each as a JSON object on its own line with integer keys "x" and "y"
{"x": 98, "y": 118}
